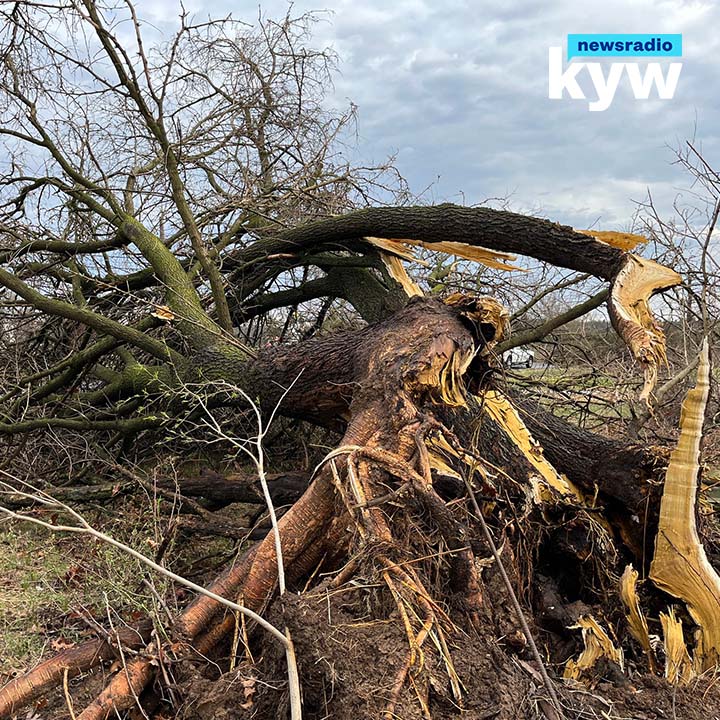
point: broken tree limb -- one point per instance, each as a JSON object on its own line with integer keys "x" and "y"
{"x": 497, "y": 230}
{"x": 638, "y": 280}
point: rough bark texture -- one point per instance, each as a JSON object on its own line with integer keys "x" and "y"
{"x": 391, "y": 386}
{"x": 497, "y": 230}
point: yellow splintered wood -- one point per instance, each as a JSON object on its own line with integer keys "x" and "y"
{"x": 680, "y": 565}
{"x": 482, "y": 310}
{"x": 394, "y": 247}
{"x": 491, "y": 258}
{"x": 399, "y": 275}
{"x": 678, "y": 666}
{"x": 443, "y": 374}
{"x": 636, "y": 619}
{"x": 624, "y": 241}
{"x": 441, "y": 452}
{"x": 501, "y": 410}
{"x": 437, "y": 463}
{"x": 597, "y": 645}
{"x": 452, "y": 386}
{"x": 633, "y": 287}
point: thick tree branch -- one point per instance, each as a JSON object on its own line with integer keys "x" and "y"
{"x": 557, "y": 244}
{"x": 538, "y": 333}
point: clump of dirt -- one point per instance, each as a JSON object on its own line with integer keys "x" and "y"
{"x": 348, "y": 663}
{"x": 650, "y": 697}
{"x": 351, "y": 644}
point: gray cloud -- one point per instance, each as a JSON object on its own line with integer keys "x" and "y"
{"x": 459, "y": 91}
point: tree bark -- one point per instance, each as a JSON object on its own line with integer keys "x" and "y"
{"x": 500, "y": 230}
{"x": 385, "y": 385}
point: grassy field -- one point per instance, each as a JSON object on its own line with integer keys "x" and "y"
{"x": 54, "y": 585}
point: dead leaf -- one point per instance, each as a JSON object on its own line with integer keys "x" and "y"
{"x": 163, "y": 312}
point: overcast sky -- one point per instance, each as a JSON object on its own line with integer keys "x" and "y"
{"x": 459, "y": 91}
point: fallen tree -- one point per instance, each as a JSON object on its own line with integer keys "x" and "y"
{"x": 418, "y": 406}
{"x": 443, "y": 555}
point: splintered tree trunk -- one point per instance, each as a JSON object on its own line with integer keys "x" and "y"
{"x": 680, "y": 565}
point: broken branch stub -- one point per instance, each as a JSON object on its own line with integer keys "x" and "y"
{"x": 628, "y": 304}
{"x": 632, "y": 286}
{"x": 680, "y": 565}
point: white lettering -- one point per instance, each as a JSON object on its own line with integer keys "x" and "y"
{"x": 641, "y": 85}
{"x": 561, "y": 79}
{"x": 605, "y": 89}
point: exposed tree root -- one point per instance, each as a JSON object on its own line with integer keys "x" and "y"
{"x": 124, "y": 690}
{"x": 73, "y": 661}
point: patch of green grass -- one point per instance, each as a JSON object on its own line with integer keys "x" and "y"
{"x": 51, "y": 581}
{"x": 30, "y": 566}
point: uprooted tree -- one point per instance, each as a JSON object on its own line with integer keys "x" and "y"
{"x": 159, "y": 206}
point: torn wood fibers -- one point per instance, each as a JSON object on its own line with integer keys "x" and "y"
{"x": 680, "y": 566}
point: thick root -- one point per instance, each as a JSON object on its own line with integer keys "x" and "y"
{"x": 73, "y": 661}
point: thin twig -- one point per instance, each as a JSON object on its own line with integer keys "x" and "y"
{"x": 68, "y": 698}
{"x": 258, "y": 459}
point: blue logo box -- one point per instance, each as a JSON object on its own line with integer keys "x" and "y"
{"x": 624, "y": 45}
